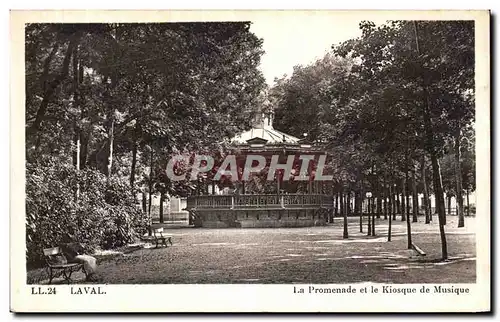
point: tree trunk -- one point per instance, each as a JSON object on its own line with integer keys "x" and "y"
{"x": 133, "y": 166}
{"x": 448, "y": 197}
{"x": 394, "y": 203}
{"x": 343, "y": 210}
{"x": 145, "y": 207}
{"x": 76, "y": 163}
{"x": 403, "y": 200}
{"x": 389, "y": 230}
{"x": 384, "y": 193}
{"x": 77, "y": 131}
{"x": 438, "y": 188}
{"x": 373, "y": 222}
{"x": 408, "y": 221}
{"x": 398, "y": 202}
{"x": 407, "y": 195}
{"x": 85, "y": 138}
{"x": 144, "y": 202}
{"x": 369, "y": 232}
{"x": 359, "y": 206}
{"x": 111, "y": 142}
{"x": 407, "y": 187}
{"x": 150, "y": 200}
{"x": 414, "y": 194}
{"x": 331, "y": 212}
{"x": 378, "y": 208}
{"x": 468, "y": 204}
{"x": 341, "y": 204}
{"x": 162, "y": 199}
{"x": 408, "y": 231}
{"x": 355, "y": 205}
{"x": 427, "y": 204}
{"x": 458, "y": 180}
{"x": 51, "y": 88}
{"x": 46, "y": 66}
{"x": 150, "y": 181}
{"x": 344, "y": 206}
{"x": 336, "y": 204}
{"x": 348, "y": 203}
{"x": 436, "y": 170}
{"x": 76, "y": 158}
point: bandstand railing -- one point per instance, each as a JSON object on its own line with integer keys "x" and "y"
{"x": 259, "y": 201}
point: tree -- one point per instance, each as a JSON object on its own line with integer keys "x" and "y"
{"x": 134, "y": 95}
{"x": 430, "y": 75}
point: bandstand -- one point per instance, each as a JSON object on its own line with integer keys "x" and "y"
{"x": 258, "y": 202}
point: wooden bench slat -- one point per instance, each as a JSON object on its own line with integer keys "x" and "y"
{"x": 65, "y": 265}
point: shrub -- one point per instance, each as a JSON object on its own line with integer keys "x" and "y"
{"x": 104, "y": 215}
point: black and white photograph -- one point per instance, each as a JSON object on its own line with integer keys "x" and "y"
{"x": 335, "y": 154}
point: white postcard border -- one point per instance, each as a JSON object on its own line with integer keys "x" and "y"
{"x": 243, "y": 297}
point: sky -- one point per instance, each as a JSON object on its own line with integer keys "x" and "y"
{"x": 290, "y": 40}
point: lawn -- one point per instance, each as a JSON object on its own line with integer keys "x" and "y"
{"x": 300, "y": 255}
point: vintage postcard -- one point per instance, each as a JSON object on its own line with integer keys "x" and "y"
{"x": 250, "y": 161}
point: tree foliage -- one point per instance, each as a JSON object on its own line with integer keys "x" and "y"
{"x": 108, "y": 104}
{"x": 384, "y": 102}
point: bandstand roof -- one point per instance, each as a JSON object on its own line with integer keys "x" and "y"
{"x": 263, "y": 132}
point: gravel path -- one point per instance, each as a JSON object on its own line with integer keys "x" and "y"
{"x": 299, "y": 255}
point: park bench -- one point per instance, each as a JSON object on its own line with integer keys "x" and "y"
{"x": 57, "y": 262}
{"x": 158, "y": 238}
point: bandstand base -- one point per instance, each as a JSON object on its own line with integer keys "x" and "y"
{"x": 262, "y": 218}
